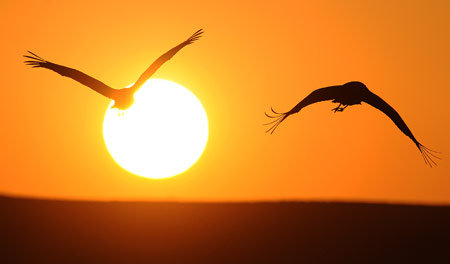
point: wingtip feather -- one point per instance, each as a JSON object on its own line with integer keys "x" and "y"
{"x": 428, "y": 155}
{"x": 279, "y": 118}
{"x": 197, "y": 35}
{"x": 35, "y": 61}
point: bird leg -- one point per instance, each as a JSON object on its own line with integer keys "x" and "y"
{"x": 339, "y": 108}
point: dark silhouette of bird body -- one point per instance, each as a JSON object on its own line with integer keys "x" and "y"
{"x": 352, "y": 93}
{"x": 123, "y": 98}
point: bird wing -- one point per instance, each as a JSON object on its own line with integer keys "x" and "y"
{"x": 321, "y": 94}
{"x": 163, "y": 58}
{"x": 78, "y": 76}
{"x": 376, "y": 101}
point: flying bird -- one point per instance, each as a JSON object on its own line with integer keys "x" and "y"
{"x": 352, "y": 93}
{"x": 123, "y": 98}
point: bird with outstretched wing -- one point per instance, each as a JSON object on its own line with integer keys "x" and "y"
{"x": 123, "y": 98}
{"x": 352, "y": 93}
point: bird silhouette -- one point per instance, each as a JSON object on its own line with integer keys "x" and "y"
{"x": 352, "y": 93}
{"x": 123, "y": 98}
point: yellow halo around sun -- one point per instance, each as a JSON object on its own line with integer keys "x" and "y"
{"x": 161, "y": 135}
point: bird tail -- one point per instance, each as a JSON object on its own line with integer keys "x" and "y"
{"x": 428, "y": 154}
{"x": 35, "y": 61}
{"x": 278, "y": 118}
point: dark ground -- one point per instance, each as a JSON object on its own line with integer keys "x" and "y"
{"x": 45, "y": 231}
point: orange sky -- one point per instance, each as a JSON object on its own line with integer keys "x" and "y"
{"x": 252, "y": 56}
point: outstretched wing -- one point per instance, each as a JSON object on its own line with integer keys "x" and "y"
{"x": 163, "y": 58}
{"x": 321, "y": 94}
{"x": 375, "y": 101}
{"x": 78, "y": 76}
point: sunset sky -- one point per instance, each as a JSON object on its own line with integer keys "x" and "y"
{"x": 253, "y": 55}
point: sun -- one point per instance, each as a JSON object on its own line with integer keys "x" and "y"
{"x": 161, "y": 135}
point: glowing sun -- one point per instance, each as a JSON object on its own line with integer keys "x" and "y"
{"x": 161, "y": 135}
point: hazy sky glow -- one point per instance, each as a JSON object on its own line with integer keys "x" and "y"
{"x": 252, "y": 56}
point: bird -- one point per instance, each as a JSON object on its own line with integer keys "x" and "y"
{"x": 348, "y": 94}
{"x": 123, "y": 98}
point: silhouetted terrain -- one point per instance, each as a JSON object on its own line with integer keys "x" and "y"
{"x": 44, "y": 231}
